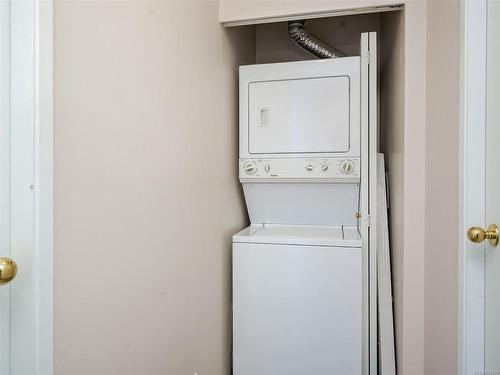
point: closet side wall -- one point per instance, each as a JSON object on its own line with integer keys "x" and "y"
{"x": 391, "y": 85}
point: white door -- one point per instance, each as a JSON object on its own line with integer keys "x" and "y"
{"x": 481, "y": 346}
{"x": 492, "y": 206}
{"x": 17, "y": 232}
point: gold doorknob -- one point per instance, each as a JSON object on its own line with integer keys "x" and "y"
{"x": 478, "y": 234}
{"x": 8, "y": 270}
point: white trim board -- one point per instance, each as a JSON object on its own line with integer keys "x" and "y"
{"x": 387, "y": 353}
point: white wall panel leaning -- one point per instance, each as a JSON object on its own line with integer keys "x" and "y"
{"x": 304, "y": 271}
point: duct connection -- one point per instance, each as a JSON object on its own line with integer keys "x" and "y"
{"x": 311, "y": 44}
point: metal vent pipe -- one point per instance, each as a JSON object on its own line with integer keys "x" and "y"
{"x": 311, "y": 44}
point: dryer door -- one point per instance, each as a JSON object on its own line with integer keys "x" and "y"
{"x": 307, "y": 115}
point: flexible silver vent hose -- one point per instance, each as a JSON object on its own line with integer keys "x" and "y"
{"x": 311, "y": 44}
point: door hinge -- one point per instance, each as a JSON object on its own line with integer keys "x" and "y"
{"x": 368, "y": 57}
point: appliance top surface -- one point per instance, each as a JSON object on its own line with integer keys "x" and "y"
{"x": 319, "y": 62}
{"x": 317, "y": 235}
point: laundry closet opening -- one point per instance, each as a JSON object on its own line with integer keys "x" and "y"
{"x": 272, "y": 44}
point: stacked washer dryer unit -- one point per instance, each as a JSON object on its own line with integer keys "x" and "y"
{"x": 303, "y": 271}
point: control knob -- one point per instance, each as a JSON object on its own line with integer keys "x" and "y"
{"x": 267, "y": 167}
{"x": 347, "y": 167}
{"x": 250, "y": 167}
{"x": 324, "y": 166}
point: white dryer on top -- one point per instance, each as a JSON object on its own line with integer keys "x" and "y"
{"x": 300, "y": 120}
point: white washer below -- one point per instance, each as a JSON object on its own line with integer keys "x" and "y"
{"x": 297, "y": 300}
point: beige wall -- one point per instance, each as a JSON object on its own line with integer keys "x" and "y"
{"x": 442, "y": 188}
{"x": 146, "y": 188}
{"x": 139, "y": 89}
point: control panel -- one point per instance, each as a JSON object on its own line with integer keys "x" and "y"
{"x": 298, "y": 169}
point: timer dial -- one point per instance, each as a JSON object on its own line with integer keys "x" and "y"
{"x": 250, "y": 167}
{"x": 347, "y": 167}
